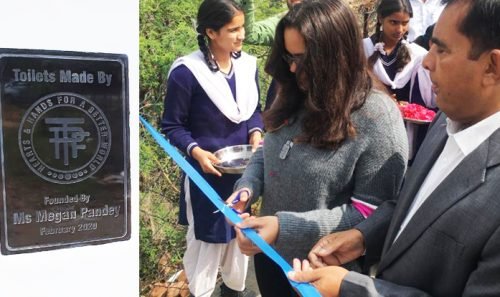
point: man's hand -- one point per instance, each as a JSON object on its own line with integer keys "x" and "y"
{"x": 337, "y": 248}
{"x": 326, "y": 279}
{"x": 206, "y": 160}
{"x": 267, "y": 227}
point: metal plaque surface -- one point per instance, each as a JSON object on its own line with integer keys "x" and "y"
{"x": 64, "y": 139}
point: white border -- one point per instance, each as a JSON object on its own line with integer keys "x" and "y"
{"x": 106, "y": 26}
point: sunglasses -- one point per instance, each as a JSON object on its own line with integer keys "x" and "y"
{"x": 293, "y": 58}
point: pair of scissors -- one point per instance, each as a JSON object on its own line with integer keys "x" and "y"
{"x": 236, "y": 200}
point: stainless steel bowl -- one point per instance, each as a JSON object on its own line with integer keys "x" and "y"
{"x": 233, "y": 159}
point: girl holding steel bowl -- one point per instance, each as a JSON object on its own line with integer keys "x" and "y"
{"x": 212, "y": 102}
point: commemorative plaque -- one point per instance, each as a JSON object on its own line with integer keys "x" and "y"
{"x": 64, "y": 139}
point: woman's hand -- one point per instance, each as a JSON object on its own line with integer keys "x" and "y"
{"x": 267, "y": 227}
{"x": 239, "y": 199}
{"x": 206, "y": 160}
{"x": 326, "y": 279}
{"x": 255, "y": 140}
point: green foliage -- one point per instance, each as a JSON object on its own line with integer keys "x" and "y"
{"x": 166, "y": 33}
{"x": 149, "y": 253}
{"x": 159, "y": 235}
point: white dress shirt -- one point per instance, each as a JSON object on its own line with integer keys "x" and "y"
{"x": 460, "y": 143}
{"x": 425, "y": 13}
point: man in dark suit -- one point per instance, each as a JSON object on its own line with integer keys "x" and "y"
{"x": 442, "y": 238}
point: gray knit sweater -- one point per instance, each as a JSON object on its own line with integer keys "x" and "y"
{"x": 310, "y": 190}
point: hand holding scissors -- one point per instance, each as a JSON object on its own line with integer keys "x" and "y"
{"x": 241, "y": 195}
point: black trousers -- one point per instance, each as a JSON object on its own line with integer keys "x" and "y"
{"x": 271, "y": 279}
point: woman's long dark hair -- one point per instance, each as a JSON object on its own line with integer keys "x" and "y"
{"x": 386, "y": 8}
{"x": 214, "y": 14}
{"x": 332, "y": 69}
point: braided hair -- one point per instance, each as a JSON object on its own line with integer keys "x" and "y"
{"x": 385, "y": 9}
{"x": 214, "y": 14}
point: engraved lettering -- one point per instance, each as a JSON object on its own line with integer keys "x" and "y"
{"x": 21, "y": 218}
{"x": 113, "y": 211}
{"x": 66, "y": 76}
{"x": 32, "y": 75}
{"x": 66, "y": 135}
{"x": 66, "y": 100}
{"x": 104, "y": 78}
{"x": 42, "y": 216}
{"x": 68, "y": 199}
{"x": 57, "y": 230}
{"x": 69, "y": 137}
{"x": 87, "y": 226}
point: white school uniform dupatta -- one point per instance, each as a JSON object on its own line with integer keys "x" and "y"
{"x": 413, "y": 70}
{"x": 217, "y": 88}
{"x": 417, "y": 53}
{"x": 424, "y": 85}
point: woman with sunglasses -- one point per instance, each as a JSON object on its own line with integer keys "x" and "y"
{"x": 335, "y": 147}
{"x": 212, "y": 101}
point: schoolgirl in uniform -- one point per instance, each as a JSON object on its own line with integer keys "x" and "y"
{"x": 398, "y": 64}
{"x": 212, "y": 102}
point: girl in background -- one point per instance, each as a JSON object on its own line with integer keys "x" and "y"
{"x": 398, "y": 64}
{"x": 211, "y": 103}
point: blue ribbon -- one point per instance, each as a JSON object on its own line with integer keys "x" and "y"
{"x": 305, "y": 289}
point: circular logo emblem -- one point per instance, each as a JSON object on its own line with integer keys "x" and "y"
{"x": 64, "y": 138}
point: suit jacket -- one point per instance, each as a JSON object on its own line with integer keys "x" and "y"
{"x": 451, "y": 246}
